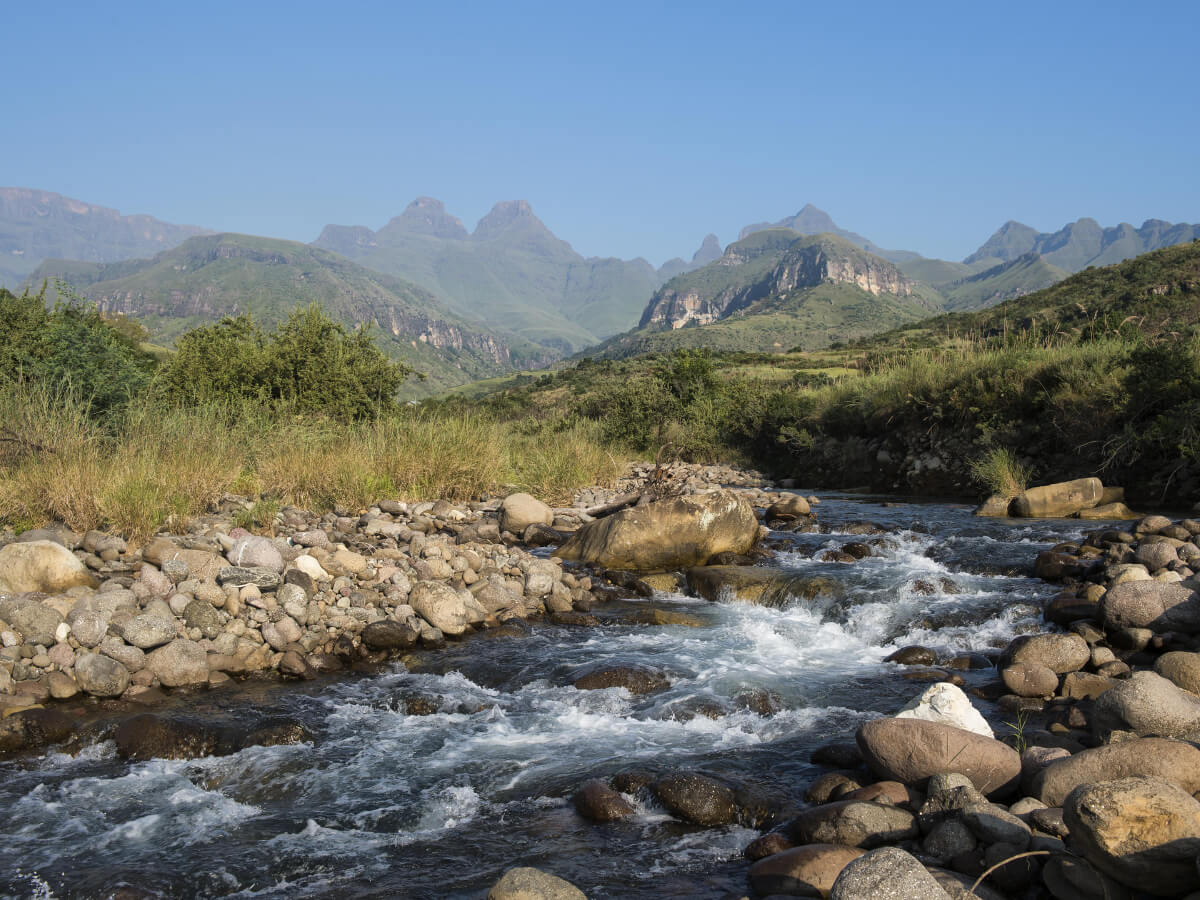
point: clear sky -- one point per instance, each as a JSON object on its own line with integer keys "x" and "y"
{"x": 632, "y": 128}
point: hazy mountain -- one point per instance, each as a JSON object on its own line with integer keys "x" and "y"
{"x": 775, "y": 290}
{"x": 1081, "y": 244}
{"x": 213, "y": 276}
{"x": 37, "y": 225}
{"x": 710, "y": 249}
{"x": 811, "y": 221}
{"x": 1016, "y": 278}
{"x": 511, "y": 272}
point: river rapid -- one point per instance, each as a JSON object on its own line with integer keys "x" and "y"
{"x": 386, "y": 804}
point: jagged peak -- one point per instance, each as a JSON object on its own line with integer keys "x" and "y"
{"x": 427, "y": 215}
{"x": 506, "y": 215}
{"x": 710, "y": 249}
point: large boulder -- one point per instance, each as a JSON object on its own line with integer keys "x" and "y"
{"x": 1065, "y": 498}
{"x": 100, "y": 676}
{"x": 527, "y": 883}
{"x": 179, "y": 663}
{"x": 912, "y": 750}
{"x": 749, "y": 583}
{"x": 1146, "y": 704}
{"x": 45, "y": 566}
{"x": 36, "y": 621}
{"x": 1175, "y": 761}
{"x": 696, "y": 798}
{"x": 808, "y": 871}
{"x": 519, "y": 511}
{"x": 598, "y": 802}
{"x": 853, "y": 823}
{"x": 256, "y": 553}
{"x": 670, "y": 534}
{"x": 1061, "y": 653}
{"x": 1159, "y": 605}
{"x": 148, "y": 631}
{"x": 442, "y": 607}
{"x": 1181, "y": 669}
{"x": 1143, "y": 831}
{"x": 886, "y": 874}
{"x": 791, "y": 506}
{"x": 946, "y": 703}
{"x": 389, "y": 635}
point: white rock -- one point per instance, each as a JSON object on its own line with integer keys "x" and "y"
{"x": 310, "y": 567}
{"x": 948, "y": 705}
{"x": 62, "y": 632}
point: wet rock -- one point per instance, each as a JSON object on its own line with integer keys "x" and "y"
{"x": 1143, "y": 831}
{"x": 1147, "y": 704}
{"x": 669, "y": 534}
{"x": 149, "y": 736}
{"x": 635, "y": 679}
{"x": 696, "y": 798}
{"x": 1058, "y": 500}
{"x": 767, "y": 845}
{"x": 32, "y": 729}
{"x": 100, "y": 676}
{"x": 1061, "y": 653}
{"x": 1030, "y": 679}
{"x": 1175, "y": 761}
{"x": 912, "y": 656}
{"x": 886, "y": 874}
{"x": 838, "y": 755}
{"x": 179, "y": 663}
{"x": 276, "y": 733}
{"x": 44, "y": 566}
{"x": 533, "y": 884}
{"x": 519, "y": 511}
{"x": 1161, "y": 606}
{"x": 831, "y": 785}
{"x": 947, "y": 704}
{"x": 911, "y": 750}
{"x": 723, "y": 583}
{"x": 598, "y": 802}
{"x": 662, "y": 617}
{"x": 389, "y": 635}
{"x": 808, "y": 871}
{"x": 852, "y": 823}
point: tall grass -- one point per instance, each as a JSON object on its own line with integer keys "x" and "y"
{"x": 158, "y": 466}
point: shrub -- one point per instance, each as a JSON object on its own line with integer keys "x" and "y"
{"x": 1001, "y": 472}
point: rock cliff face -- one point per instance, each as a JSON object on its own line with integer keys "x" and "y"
{"x": 806, "y": 262}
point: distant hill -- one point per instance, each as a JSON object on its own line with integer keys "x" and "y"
{"x": 774, "y": 291}
{"x": 813, "y": 221}
{"x": 1155, "y": 293}
{"x": 1015, "y": 278}
{"x": 213, "y": 276}
{"x": 1081, "y": 244}
{"x": 510, "y": 273}
{"x": 37, "y": 225}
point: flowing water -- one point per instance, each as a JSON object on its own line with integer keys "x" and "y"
{"x": 385, "y": 804}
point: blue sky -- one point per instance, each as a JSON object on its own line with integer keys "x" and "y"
{"x": 632, "y": 128}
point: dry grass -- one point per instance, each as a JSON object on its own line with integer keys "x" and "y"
{"x": 160, "y": 466}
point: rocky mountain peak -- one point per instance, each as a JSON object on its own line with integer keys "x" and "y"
{"x": 427, "y": 215}
{"x": 505, "y": 216}
{"x": 710, "y": 249}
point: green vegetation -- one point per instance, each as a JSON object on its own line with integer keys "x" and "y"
{"x": 1001, "y": 473}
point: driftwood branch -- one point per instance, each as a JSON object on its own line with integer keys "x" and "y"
{"x": 598, "y": 512}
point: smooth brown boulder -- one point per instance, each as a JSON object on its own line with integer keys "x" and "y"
{"x": 1181, "y": 669}
{"x": 696, "y": 798}
{"x": 1147, "y": 703}
{"x": 1029, "y": 679}
{"x": 912, "y": 750}
{"x": 1058, "y": 500}
{"x": 1175, "y": 761}
{"x": 793, "y": 506}
{"x": 1158, "y": 605}
{"x": 1143, "y": 831}
{"x": 519, "y": 511}
{"x": 45, "y": 566}
{"x": 808, "y": 871}
{"x": 853, "y": 823}
{"x": 527, "y": 883}
{"x": 598, "y": 802}
{"x": 1061, "y": 653}
{"x": 669, "y": 534}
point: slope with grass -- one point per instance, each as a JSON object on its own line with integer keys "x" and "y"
{"x": 38, "y": 225}
{"x": 210, "y": 277}
{"x": 511, "y": 272}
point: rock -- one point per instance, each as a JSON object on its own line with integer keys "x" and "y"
{"x": 441, "y": 606}
{"x": 149, "y": 736}
{"x": 853, "y": 823}
{"x": 1147, "y": 704}
{"x": 669, "y": 534}
{"x": 533, "y": 884}
{"x": 1068, "y": 877}
{"x": 696, "y": 798}
{"x": 347, "y": 562}
{"x": 1161, "y": 606}
{"x": 995, "y": 825}
{"x": 635, "y": 679}
{"x": 309, "y": 566}
{"x": 792, "y": 506}
{"x": 995, "y": 506}
{"x": 36, "y": 621}
{"x": 947, "y": 704}
{"x": 1085, "y": 685}
{"x": 912, "y": 656}
{"x": 1065, "y": 498}
{"x": 292, "y": 663}
{"x": 1152, "y": 525}
{"x": 1181, "y": 669}
{"x": 751, "y": 584}
{"x": 948, "y": 839}
{"x": 62, "y": 686}
{"x": 44, "y": 566}
{"x": 1115, "y": 510}
{"x": 256, "y": 553}
{"x": 263, "y": 579}
{"x": 886, "y": 874}
{"x": 203, "y": 565}
{"x": 808, "y": 871}
{"x": 132, "y": 658}
{"x": 87, "y": 627}
{"x": 767, "y": 845}
{"x": 1142, "y": 831}
{"x": 911, "y": 750}
{"x": 519, "y": 511}
{"x": 1175, "y": 761}
{"x": 1156, "y": 556}
{"x": 1061, "y": 653}
{"x": 202, "y": 615}
{"x": 179, "y": 663}
{"x": 1030, "y": 679}
{"x": 598, "y": 802}
{"x": 389, "y": 635}
{"x": 148, "y": 630}
{"x": 100, "y": 676}
{"x": 497, "y": 597}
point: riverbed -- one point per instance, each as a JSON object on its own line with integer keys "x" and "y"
{"x": 381, "y": 803}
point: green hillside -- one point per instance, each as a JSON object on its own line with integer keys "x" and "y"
{"x": 1021, "y": 276}
{"x": 207, "y": 278}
